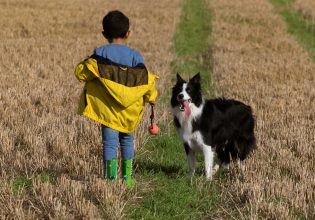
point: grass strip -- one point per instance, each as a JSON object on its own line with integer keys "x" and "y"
{"x": 192, "y": 43}
{"x": 302, "y": 28}
{"x": 164, "y": 190}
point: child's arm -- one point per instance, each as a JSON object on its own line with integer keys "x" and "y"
{"x": 152, "y": 93}
{"x": 83, "y": 73}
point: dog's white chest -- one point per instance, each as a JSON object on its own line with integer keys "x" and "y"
{"x": 193, "y": 139}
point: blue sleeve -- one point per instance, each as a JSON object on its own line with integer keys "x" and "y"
{"x": 137, "y": 58}
{"x": 98, "y": 51}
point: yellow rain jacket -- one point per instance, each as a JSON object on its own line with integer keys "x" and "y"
{"x": 114, "y": 95}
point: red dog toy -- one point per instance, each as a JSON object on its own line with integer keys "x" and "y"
{"x": 153, "y": 129}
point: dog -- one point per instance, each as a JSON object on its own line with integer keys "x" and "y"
{"x": 221, "y": 126}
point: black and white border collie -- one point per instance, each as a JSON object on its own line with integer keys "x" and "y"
{"x": 221, "y": 126}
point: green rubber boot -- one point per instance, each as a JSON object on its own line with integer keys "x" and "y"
{"x": 127, "y": 172}
{"x": 110, "y": 169}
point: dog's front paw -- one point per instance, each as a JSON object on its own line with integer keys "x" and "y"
{"x": 209, "y": 178}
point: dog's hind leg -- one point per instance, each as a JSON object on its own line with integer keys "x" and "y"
{"x": 208, "y": 156}
{"x": 215, "y": 168}
{"x": 225, "y": 166}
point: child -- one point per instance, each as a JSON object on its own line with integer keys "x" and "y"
{"x": 117, "y": 85}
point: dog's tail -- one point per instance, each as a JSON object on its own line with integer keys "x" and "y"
{"x": 240, "y": 142}
{"x": 245, "y": 145}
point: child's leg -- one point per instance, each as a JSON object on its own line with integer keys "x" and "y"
{"x": 126, "y": 145}
{"x": 110, "y": 143}
{"x": 127, "y": 154}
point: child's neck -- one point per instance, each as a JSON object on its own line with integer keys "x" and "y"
{"x": 122, "y": 41}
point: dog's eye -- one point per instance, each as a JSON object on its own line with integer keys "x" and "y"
{"x": 188, "y": 90}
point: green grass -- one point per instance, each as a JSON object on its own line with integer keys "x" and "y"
{"x": 21, "y": 184}
{"x": 192, "y": 43}
{"x": 168, "y": 192}
{"x": 163, "y": 188}
{"x": 302, "y": 28}
{"x": 192, "y": 35}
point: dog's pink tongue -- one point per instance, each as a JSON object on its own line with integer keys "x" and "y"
{"x": 187, "y": 109}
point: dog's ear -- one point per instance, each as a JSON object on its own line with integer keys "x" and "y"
{"x": 179, "y": 78}
{"x": 195, "y": 79}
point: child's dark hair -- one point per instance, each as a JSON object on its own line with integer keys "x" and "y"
{"x": 115, "y": 25}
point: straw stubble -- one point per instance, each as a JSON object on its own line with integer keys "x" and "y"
{"x": 41, "y": 135}
{"x": 257, "y": 61}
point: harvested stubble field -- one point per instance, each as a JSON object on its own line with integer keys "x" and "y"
{"x": 306, "y": 7}
{"x": 51, "y": 158}
{"x": 257, "y": 61}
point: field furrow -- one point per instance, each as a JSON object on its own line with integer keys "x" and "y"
{"x": 257, "y": 61}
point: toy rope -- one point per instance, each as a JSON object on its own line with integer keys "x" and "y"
{"x": 152, "y": 114}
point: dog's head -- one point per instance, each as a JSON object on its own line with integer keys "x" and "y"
{"x": 184, "y": 93}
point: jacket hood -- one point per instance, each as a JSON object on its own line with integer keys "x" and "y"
{"x": 125, "y": 84}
